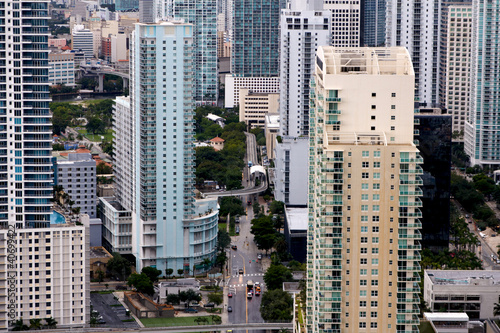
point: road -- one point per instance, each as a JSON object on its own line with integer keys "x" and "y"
{"x": 245, "y": 257}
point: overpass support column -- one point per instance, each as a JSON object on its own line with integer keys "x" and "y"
{"x": 101, "y": 82}
{"x": 125, "y": 83}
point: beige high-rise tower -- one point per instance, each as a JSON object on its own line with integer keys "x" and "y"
{"x": 363, "y": 248}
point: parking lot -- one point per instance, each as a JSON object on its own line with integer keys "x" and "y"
{"x": 112, "y": 311}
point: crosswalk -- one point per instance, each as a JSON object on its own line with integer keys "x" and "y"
{"x": 247, "y": 275}
{"x": 242, "y": 285}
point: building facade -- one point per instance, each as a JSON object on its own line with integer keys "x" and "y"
{"x": 83, "y": 39}
{"x": 62, "y": 69}
{"x": 59, "y": 287}
{"x": 458, "y": 47}
{"x": 77, "y": 176}
{"x": 372, "y": 29}
{"x": 304, "y": 27}
{"x": 255, "y": 106}
{"x": 416, "y": 26}
{"x": 346, "y": 22}
{"x": 268, "y": 85}
{"x": 162, "y": 103}
{"x": 482, "y": 137}
{"x": 255, "y": 48}
{"x": 364, "y": 172}
{"x": 116, "y": 226}
{"x": 203, "y": 16}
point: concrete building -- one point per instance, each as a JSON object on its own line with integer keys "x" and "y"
{"x": 255, "y": 106}
{"x": 116, "y": 226}
{"x": 269, "y": 85}
{"x": 416, "y": 26}
{"x": 472, "y": 292}
{"x": 119, "y": 50}
{"x": 59, "y": 287}
{"x": 83, "y": 39}
{"x": 364, "y": 172}
{"x": 271, "y": 129}
{"x": 77, "y": 175}
{"x": 202, "y": 14}
{"x": 217, "y": 143}
{"x": 166, "y": 231}
{"x": 458, "y": 48}
{"x": 304, "y": 27}
{"x": 62, "y": 69}
{"x": 295, "y": 232}
{"x": 346, "y": 22}
{"x": 482, "y": 137}
{"x": 290, "y": 168}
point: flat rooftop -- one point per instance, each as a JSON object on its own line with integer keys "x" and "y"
{"x": 297, "y": 218}
{"x": 463, "y": 277}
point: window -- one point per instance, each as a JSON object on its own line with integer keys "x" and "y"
{"x": 365, "y": 153}
{"x": 375, "y": 240}
{"x": 374, "y": 271}
{"x": 364, "y": 186}
{"x": 365, "y": 175}
{"x": 376, "y": 164}
{"x": 364, "y": 218}
{"x": 364, "y": 239}
{"x": 363, "y": 261}
{"x": 362, "y": 293}
{"x": 365, "y": 164}
{"x": 375, "y": 229}
{"x": 376, "y": 186}
{"x": 373, "y": 325}
{"x": 376, "y": 175}
{"x": 373, "y": 314}
{"x": 362, "y": 324}
{"x": 374, "y": 94}
{"x": 376, "y": 197}
{"x": 362, "y": 314}
{"x": 364, "y": 229}
{"x": 363, "y": 272}
{"x": 362, "y": 282}
{"x": 376, "y": 154}
{"x": 374, "y": 261}
{"x": 376, "y": 208}
{"x": 393, "y": 117}
{"x": 364, "y": 197}
{"x": 364, "y": 208}
{"x": 374, "y": 283}
{"x": 374, "y": 303}
{"x": 375, "y": 250}
{"x": 364, "y": 250}
{"x": 393, "y": 94}
{"x": 374, "y": 107}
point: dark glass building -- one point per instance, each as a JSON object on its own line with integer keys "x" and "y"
{"x": 373, "y": 23}
{"x": 433, "y": 132}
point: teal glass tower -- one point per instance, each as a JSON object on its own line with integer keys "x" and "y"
{"x": 202, "y": 14}
{"x": 255, "y": 49}
{"x": 25, "y": 121}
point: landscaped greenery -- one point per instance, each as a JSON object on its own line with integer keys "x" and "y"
{"x": 176, "y": 321}
{"x": 276, "y": 305}
{"x": 108, "y": 135}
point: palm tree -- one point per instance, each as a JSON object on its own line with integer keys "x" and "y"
{"x": 496, "y": 310}
{"x": 51, "y": 322}
{"x": 35, "y": 324}
{"x": 20, "y": 326}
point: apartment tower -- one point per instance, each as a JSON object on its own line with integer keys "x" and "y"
{"x": 161, "y": 101}
{"x": 482, "y": 135}
{"x": 363, "y": 258}
{"x": 372, "y": 29}
{"x": 346, "y": 22}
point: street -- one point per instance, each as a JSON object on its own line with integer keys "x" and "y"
{"x": 245, "y": 310}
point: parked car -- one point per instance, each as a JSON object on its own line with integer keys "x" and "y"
{"x": 230, "y": 295}
{"x": 240, "y": 271}
{"x": 259, "y": 256}
{"x": 188, "y": 310}
{"x": 209, "y": 305}
{"x": 229, "y": 309}
{"x": 234, "y": 247}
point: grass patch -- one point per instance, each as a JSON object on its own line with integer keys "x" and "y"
{"x": 176, "y": 321}
{"x": 97, "y": 137}
{"x": 128, "y": 320}
{"x": 102, "y": 292}
{"x": 116, "y": 305}
{"x": 301, "y": 320}
{"x": 425, "y": 327}
{"x": 223, "y": 226}
{"x": 232, "y": 228}
{"x": 214, "y": 310}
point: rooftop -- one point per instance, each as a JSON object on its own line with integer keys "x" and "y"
{"x": 297, "y": 218}
{"x": 217, "y": 139}
{"x": 463, "y": 277}
{"x": 99, "y": 252}
{"x": 273, "y": 120}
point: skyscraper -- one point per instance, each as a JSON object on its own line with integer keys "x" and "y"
{"x": 203, "y": 16}
{"x": 372, "y": 29}
{"x": 363, "y": 258}
{"x": 346, "y": 22}
{"x": 304, "y": 27}
{"x": 255, "y": 48}
{"x": 166, "y": 218}
{"x": 482, "y": 135}
{"x": 416, "y": 26}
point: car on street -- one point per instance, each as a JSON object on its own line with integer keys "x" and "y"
{"x": 240, "y": 271}
{"x": 188, "y": 310}
{"x": 249, "y": 203}
{"x": 229, "y": 309}
{"x": 234, "y": 247}
{"x": 249, "y": 295}
{"x": 259, "y": 256}
{"x": 230, "y": 295}
{"x": 237, "y": 230}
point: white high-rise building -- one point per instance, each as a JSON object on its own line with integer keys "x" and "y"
{"x": 346, "y": 22}
{"x": 303, "y": 28}
{"x": 170, "y": 228}
{"x": 363, "y": 258}
{"x": 416, "y": 26}
{"x": 83, "y": 39}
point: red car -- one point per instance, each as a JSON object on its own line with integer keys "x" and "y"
{"x": 230, "y": 295}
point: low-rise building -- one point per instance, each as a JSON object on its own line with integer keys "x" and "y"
{"x": 255, "y": 106}
{"x": 296, "y": 232}
{"x": 472, "y": 292}
{"x": 233, "y": 84}
{"x": 99, "y": 258}
{"x": 175, "y": 287}
{"x": 217, "y": 143}
{"x": 116, "y": 226}
{"x": 62, "y": 68}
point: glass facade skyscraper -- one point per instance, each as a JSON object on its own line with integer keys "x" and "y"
{"x": 373, "y": 22}
{"x": 25, "y": 121}
{"x": 202, "y": 14}
{"x": 255, "y": 49}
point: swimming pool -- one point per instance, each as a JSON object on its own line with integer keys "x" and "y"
{"x": 57, "y": 218}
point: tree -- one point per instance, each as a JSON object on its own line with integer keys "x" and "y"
{"x": 58, "y": 147}
{"x": 221, "y": 259}
{"x": 152, "y": 273}
{"x": 180, "y": 271}
{"x": 216, "y": 320}
{"x": 207, "y": 263}
{"x": 51, "y": 322}
{"x": 20, "y": 326}
{"x": 277, "y": 207}
{"x": 100, "y": 276}
{"x": 173, "y": 299}
{"x": 142, "y": 283}
{"x": 265, "y": 242}
{"x": 256, "y": 208}
{"x": 169, "y": 271}
{"x": 189, "y": 295}
{"x": 276, "y": 275}
{"x": 223, "y": 240}
{"x": 95, "y": 125}
{"x": 35, "y": 324}
{"x": 231, "y": 205}
{"x": 276, "y": 305}
{"x": 103, "y": 169}
{"x": 119, "y": 266}
{"x": 215, "y": 298}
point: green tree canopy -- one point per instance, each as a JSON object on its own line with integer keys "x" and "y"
{"x": 119, "y": 266}
{"x": 276, "y": 305}
{"x": 152, "y": 273}
{"x": 223, "y": 240}
{"x": 231, "y": 205}
{"x": 277, "y": 207}
{"x": 215, "y": 298}
{"x": 276, "y": 275}
{"x": 142, "y": 283}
